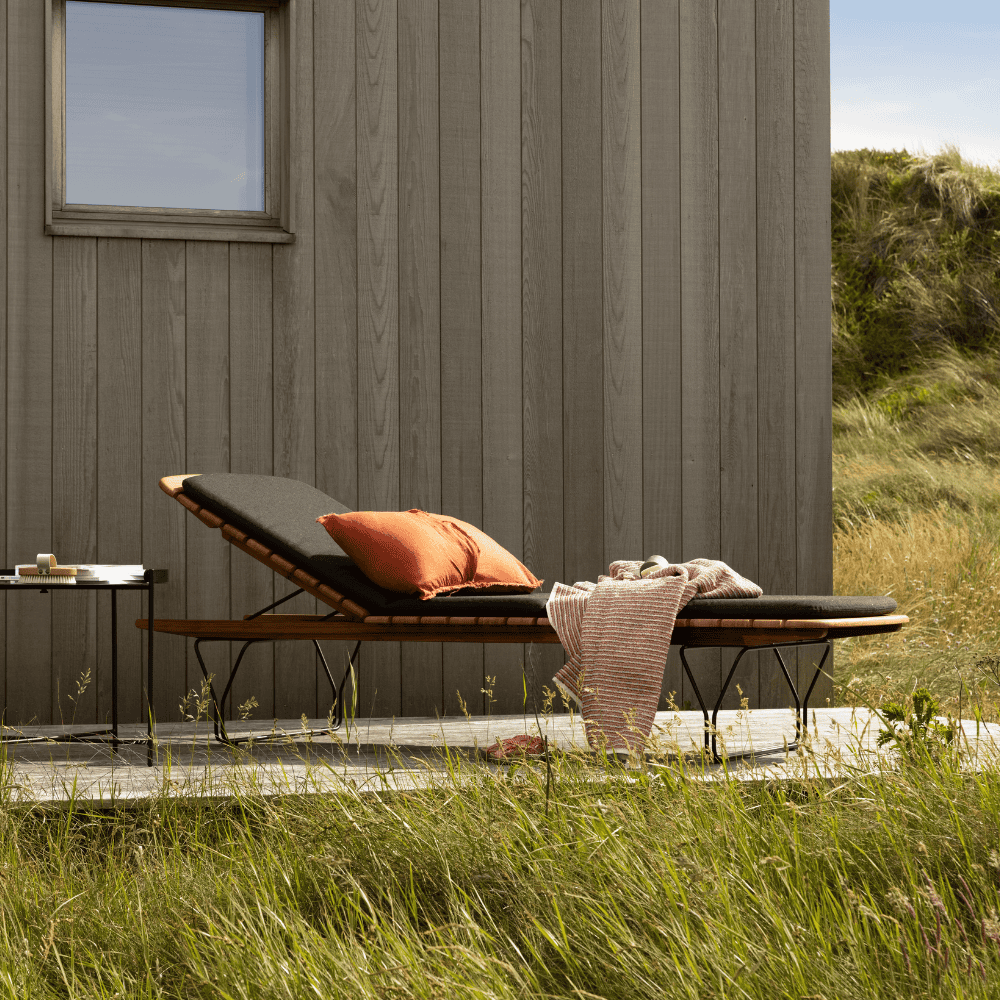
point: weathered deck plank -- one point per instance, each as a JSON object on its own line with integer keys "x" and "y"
{"x": 381, "y": 754}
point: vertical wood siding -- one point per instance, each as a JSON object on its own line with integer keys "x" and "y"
{"x": 164, "y": 441}
{"x": 335, "y": 220}
{"x": 503, "y": 425}
{"x": 74, "y": 460}
{"x": 378, "y": 307}
{"x": 662, "y": 377}
{"x": 813, "y": 360}
{"x": 700, "y": 429}
{"x": 561, "y": 270}
{"x": 28, "y": 376}
{"x": 582, "y": 291}
{"x": 419, "y": 310}
{"x": 776, "y": 361}
{"x": 541, "y": 346}
{"x": 119, "y": 451}
{"x": 251, "y": 445}
{"x": 461, "y": 401}
{"x": 293, "y": 354}
{"x": 738, "y": 307}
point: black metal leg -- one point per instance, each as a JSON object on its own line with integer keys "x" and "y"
{"x": 218, "y": 722}
{"x": 114, "y": 671}
{"x": 805, "y": 700}
{"x": 795, "y": 695}
{"x": 718, "y": 703}
{"x": 697, "y": 694}
{"x": 801, "y": 707}
{"x": 339, "y": 717}
{"x": 216, "y": 712}
{"x": 149, "y": 574}
{"x": 329, "y": 676}
{"x": 229, "y": 684}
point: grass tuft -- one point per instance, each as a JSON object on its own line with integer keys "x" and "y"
{"x": 914, "y": 250}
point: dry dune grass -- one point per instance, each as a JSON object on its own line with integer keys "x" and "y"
{"x": 917, "y": 516}
{"x": 891, "y": 486}
{"x": 942, "y": 570}
{"x": 916, "y": 425}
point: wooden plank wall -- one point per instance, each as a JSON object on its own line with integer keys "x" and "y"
{"x": 561, "y": 270}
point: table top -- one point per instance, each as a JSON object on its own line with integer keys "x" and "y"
{"x": 104, "y": 583}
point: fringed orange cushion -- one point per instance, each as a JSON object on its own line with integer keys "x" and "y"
{"x": 413, "y": 552}
{"x": 498, "y": 571}
{"x": 410, "y": 552}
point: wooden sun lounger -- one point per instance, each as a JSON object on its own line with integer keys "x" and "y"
{"x": 351, "y": 621}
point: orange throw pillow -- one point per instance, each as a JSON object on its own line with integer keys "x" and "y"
{"x": 410, "y": 552}
{"x": 498, "y": 571}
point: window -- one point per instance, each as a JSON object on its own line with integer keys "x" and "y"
{"x": 168, "y": 119}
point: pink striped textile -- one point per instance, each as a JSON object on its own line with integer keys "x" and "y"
{"x": 616, "y": 634}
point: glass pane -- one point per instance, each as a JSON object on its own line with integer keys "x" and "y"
{"x": 164, "y": 106}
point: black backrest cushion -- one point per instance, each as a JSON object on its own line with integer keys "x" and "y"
{"x": 281, "y": 514}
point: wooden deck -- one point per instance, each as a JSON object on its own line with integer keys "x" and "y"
{"x": 405, "y": 753}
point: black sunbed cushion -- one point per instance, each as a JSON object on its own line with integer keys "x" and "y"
{"x": 281, "y": 513}
{"x": 784, "y": 607}
{"x": 790, "y": 607}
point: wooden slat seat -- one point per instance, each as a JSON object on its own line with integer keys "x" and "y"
{"x": 687, "y": 632}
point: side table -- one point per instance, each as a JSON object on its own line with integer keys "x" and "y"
{"x": 150, "y": 577}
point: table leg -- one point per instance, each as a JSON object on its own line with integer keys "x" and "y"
{"x": 149, "y": 670}
{"x": 114, "y": 671}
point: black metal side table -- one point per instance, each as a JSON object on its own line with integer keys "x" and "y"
{"x": 150, "y": 577}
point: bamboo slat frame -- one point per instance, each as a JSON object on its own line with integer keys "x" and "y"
{"x": 688, "y": 632}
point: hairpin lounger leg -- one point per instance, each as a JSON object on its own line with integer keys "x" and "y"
{"x": 801, "y": 707}
{"x": 218, "y": 722}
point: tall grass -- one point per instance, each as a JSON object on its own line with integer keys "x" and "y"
{"x": 645, "y": 884}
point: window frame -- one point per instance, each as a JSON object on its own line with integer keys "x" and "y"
{"x": 274, "y": 225}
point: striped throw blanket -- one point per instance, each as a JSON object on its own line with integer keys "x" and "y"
{"x": 616, "y": 634}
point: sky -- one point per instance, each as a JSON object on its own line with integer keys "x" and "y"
{"x": 916, "y": 75}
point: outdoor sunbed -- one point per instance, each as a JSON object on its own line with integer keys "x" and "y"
{"x": 274, "y": 520}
